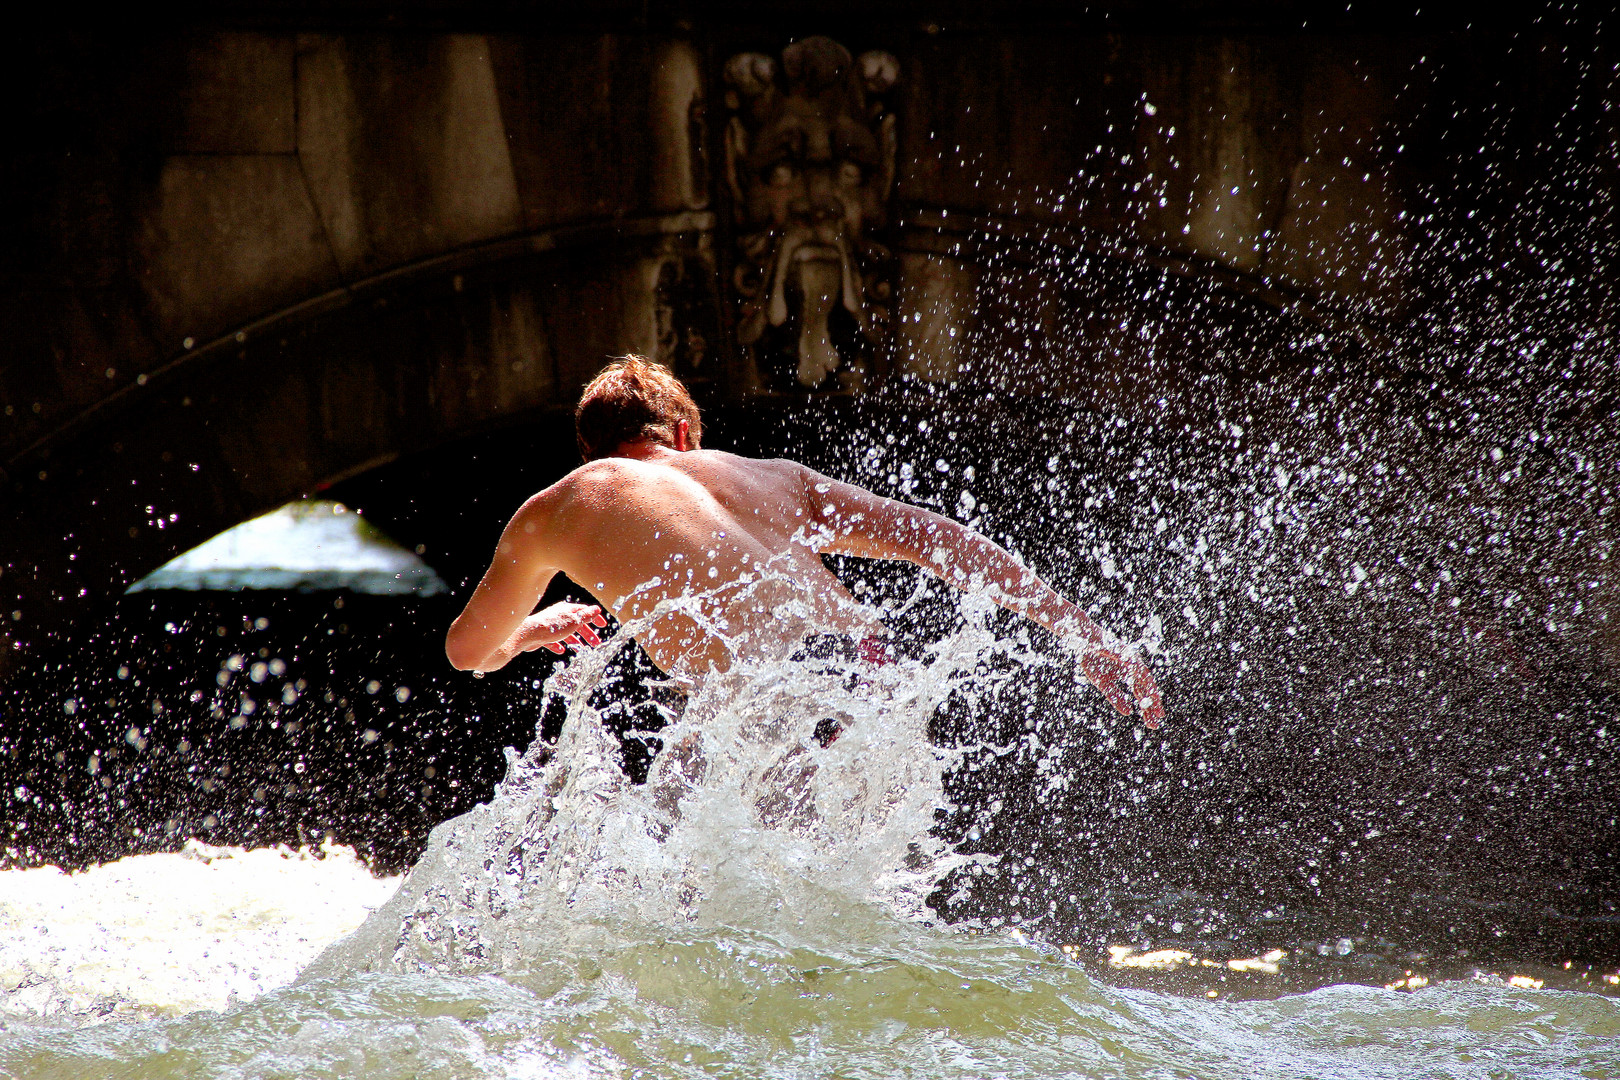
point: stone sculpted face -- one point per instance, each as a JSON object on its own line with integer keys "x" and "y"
{"x": 810, "y": 161}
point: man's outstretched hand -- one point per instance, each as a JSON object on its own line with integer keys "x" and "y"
{"x": 1125, "y": 681}
{"x": 555, "y": 628}
{"x": 561, "y": 625}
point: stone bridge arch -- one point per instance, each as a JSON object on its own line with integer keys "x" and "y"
{"x": 283, "y": 257}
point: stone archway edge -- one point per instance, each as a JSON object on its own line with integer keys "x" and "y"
{"x": 946, "y": 235}
{"x": 958, "y": 235}
{"x": 437, "y": 266}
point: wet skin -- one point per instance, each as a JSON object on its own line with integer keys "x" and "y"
{"x": 736, "y": 543}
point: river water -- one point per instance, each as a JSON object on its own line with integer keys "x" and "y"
{"x": 756, "y": 909}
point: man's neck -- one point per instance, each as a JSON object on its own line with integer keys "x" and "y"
{"x": 645, "y": 450}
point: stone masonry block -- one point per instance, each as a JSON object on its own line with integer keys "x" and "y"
{"x": 404, "y": 145}
{"x": 238, "y": 97}
{"x": 228, "y": 239}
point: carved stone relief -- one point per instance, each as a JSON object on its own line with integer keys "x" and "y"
{"x": 810, "y": 162}
{"x": 684, "y": 314}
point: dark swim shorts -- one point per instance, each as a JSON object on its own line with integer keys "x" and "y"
{"x": 871, "y": 649}
{"x": 670, "y": 698}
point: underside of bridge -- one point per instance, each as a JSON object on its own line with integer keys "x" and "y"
{"x": 254, "y": 256}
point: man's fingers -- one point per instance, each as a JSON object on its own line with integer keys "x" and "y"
{"x": 1105, "y": 676}
{"x": 1114, "y": 690}
{"x": 1112, "y": 675}
{"x": 1147, "y": 695}
{"x": 579, "y": 637}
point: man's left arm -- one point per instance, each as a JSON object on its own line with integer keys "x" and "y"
{"x": 857, "y": 522}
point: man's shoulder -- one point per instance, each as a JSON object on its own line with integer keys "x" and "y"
{"x": 588, "y": 479}
{"x": 599, "y": 479}
{"x": 722, "y": 459}
{"x": 592, "y": 471}
{"x": 782, "y": 476}
{"x": 608, "y": 475}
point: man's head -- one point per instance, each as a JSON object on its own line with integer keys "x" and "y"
{"x": 633, "y": 399}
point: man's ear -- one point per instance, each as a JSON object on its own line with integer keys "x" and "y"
{"x": 683, "y": 435}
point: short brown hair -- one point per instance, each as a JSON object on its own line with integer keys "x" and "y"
{"x": 632, "y": 399}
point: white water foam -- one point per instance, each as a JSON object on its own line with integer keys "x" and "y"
{"x": 745, "y": 820}
{"x": 754, "y": 910}
{"x": 166, "y": 934}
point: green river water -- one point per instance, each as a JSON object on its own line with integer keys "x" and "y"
{"x": 755, "y": 910}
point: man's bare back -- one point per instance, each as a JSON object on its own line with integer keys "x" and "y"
{"x": 723, "y": 553}
{"x": 741, "y": 540}
{"x": 734, "y": 535}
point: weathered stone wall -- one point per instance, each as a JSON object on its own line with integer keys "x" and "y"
{"x": 277, "y": 168}
{"x": 281, "y": 170}
{"x": 252, "y": 261}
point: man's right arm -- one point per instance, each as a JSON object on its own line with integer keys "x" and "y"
{"x": 497, "y": 623}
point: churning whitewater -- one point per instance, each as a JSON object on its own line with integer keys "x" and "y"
{"x": 756, "y": 908}
{"x": 746, "y": 818}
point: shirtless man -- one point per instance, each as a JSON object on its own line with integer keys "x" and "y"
{"x": 652, "y": 517}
